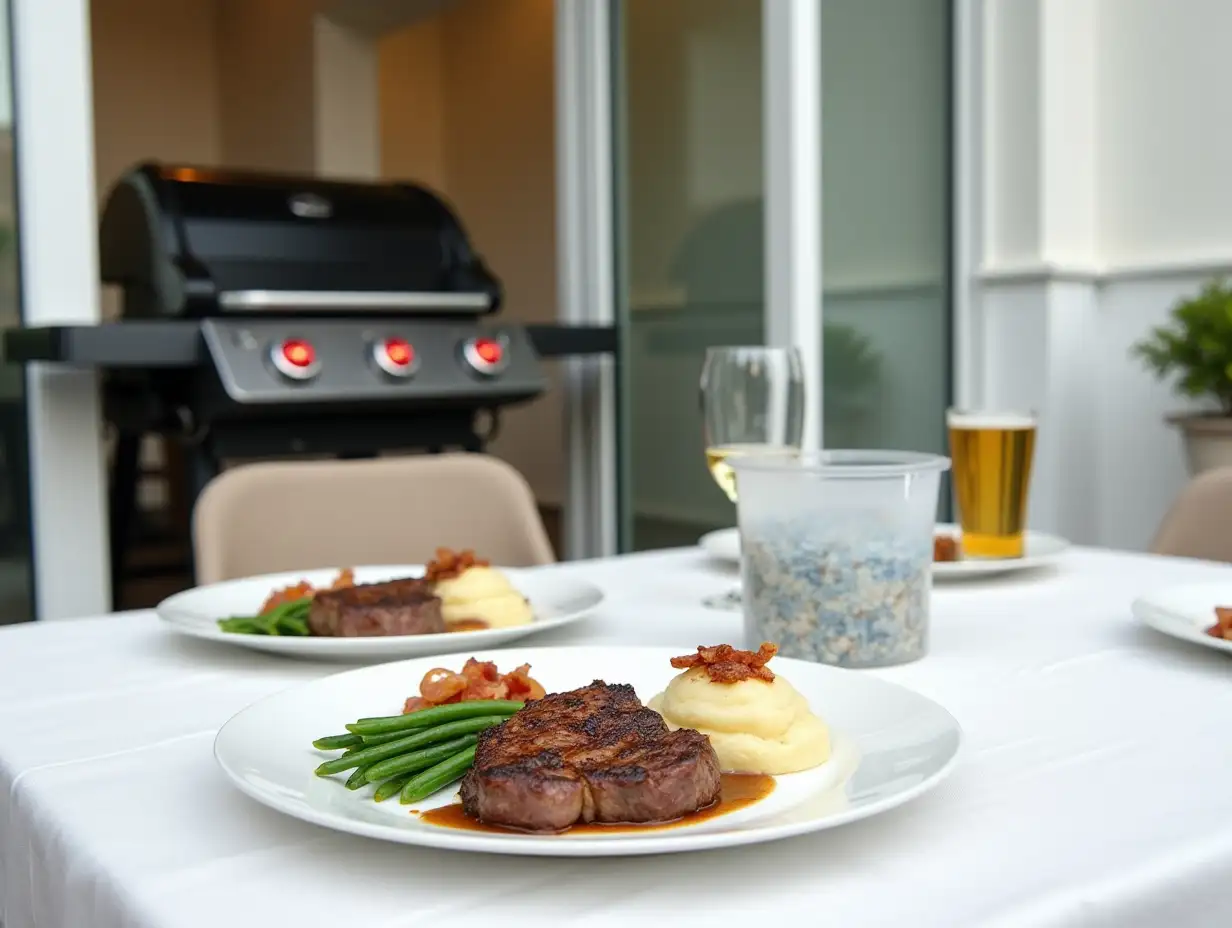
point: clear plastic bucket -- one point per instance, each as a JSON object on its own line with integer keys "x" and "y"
{"x": 836, "y": 553}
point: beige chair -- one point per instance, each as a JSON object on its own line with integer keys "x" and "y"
{"x": 268, "y": 517}
{"x": 1199, "y": 523}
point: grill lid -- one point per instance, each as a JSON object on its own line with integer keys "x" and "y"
{"x": 184, "y": 241}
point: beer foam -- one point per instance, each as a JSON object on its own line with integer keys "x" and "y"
{"x": 990, "y": 420}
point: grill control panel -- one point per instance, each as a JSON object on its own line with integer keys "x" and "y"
{"x": 272, "y": 361}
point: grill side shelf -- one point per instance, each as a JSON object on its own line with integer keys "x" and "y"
{"x": 154, "y": 344}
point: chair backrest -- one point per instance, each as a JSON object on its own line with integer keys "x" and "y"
{"x": 1199, "y": 522}
{"x": 300, "y": 515}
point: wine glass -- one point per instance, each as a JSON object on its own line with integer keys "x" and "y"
{"x": 752, "y": 403}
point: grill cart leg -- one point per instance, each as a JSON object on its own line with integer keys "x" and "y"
{"x": 123, "y": 501}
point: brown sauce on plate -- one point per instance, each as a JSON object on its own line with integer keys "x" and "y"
{"x": 468, "y": 625}
{"x": 740, "y": 790}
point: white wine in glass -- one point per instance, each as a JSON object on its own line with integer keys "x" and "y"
{"x": 717, "y": 458}
{"x": 752, "y": 404}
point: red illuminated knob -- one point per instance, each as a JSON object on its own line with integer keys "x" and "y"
{"x": 486, "y": 355}
{"x": 395, "y": 356}
{"x": 295, "y": 358}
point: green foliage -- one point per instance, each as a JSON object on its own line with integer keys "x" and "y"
{"x": 849, "y": 359}
{"x": 1195, "y": 345}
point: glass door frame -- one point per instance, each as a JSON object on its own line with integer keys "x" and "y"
{"x": 586, "y": 88}
{"x": 57, "y": 240}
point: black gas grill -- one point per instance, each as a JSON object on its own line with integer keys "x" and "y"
{"x": 268, "y": 315}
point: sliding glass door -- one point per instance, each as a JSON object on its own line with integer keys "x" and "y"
{"x": 815, "y": 132}
{"x": 885, "y": 193}
{"x": 690, "y": 254}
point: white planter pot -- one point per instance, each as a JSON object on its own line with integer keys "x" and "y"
{"x": 1208, "y": 441}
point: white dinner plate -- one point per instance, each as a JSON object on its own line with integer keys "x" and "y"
{"x": 1041, "y": 549}
{"x": 890, "y": 745}
{"x": 1185, "y": 612}
{"x": 555, "y": 601}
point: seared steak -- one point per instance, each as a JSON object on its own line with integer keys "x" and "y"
{"x": 398, "y": 607}
{"x": 595, "y": 754}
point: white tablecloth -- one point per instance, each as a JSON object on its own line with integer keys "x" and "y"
{"x": 1093, "y": 789}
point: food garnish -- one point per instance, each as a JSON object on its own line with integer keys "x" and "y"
{"x": 946, "y": 548}
{"x": 449, "y": 563}
{"x": 423, "y": 750}
{"x": 297, "y": 591}
{"x": 285, "y": 611}
{"x": 476, "y": 680}
{"x": 1223, "y": 625}
{"x": 725, "y": 664}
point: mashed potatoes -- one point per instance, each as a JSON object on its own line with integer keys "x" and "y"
{"x": 482, "y": 593}
{"x": 755, "y": 726}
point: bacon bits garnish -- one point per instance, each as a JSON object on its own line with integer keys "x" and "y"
{"x": 448, "y": 564}
{"x": 945, "y": 548}
{"x": 477, "y": 680}
{"x": 345, "y": 578}
{"x": 1223, "y": 627}
{"x": 726, "y": 664}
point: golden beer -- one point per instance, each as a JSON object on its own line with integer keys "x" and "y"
{"x": 992, "y": 455}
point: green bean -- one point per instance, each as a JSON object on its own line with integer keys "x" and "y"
{"x": 357, "y": 779}
{"x": 434, "y": 735}
{"x": 418, "y": 760}
{"x": 387, "y": 737}
{"x": 240, "y": 625}
{"x": 390, "y": 788}
{"x": 423, "y": 785}
{"x": 434, "y": 716}
{"x": 378, "y": 752}
{"x": 289, "y": 618}
{"x": 334, "y": 742}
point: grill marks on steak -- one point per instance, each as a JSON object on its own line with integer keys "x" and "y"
{"x": 594, "y": 754}
{"x": 397, "y": 607}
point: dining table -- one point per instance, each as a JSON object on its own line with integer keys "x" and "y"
{"x": 1090, "y": 790}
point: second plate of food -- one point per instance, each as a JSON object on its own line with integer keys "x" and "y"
{"x": 636, "y": 751}
{"x": 1200, "y": 613}
{"x": 381, "y": 612}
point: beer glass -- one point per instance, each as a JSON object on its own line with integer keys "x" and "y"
{"x": 992, "y": 454}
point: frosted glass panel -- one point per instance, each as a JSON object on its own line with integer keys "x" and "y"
{"x": 886, "y": 220}
{"x": 689, "y": 170}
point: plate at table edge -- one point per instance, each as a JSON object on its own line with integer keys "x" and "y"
{"x": 890, "y": 745}
{"x": 724, "y": 544}
{"x": 555, "y": 600}
{"x": 1185, "y": 611}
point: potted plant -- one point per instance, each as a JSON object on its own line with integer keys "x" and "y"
{"x": 1195, "y": 347}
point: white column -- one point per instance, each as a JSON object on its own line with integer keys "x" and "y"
{"x": 347, "y": 112}
{"x": 791, "y": 37}
{"x": 1026, "y": 315}
{"x": 57, "y": 236}
{"x": 586, "y": 269}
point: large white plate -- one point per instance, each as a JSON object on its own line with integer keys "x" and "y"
{"x": 1185, "y": 612}
{"x": 890, "y": 745}
{"x": 555, "y": 600}
{"x": 1041, "y": 549}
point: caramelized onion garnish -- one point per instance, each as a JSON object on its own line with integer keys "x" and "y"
{"x": 725, "y": 664}
{"x": 449, "y": 563}
{"x": 945, "y": 548}
{"x": 345, "y": 578}
{"x": 476, "y": 680}
{"x": 1223, "y": 626}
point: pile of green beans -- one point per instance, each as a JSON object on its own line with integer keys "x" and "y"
{"x": 414, "y": 755}
{"x": 289, "y": 618}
